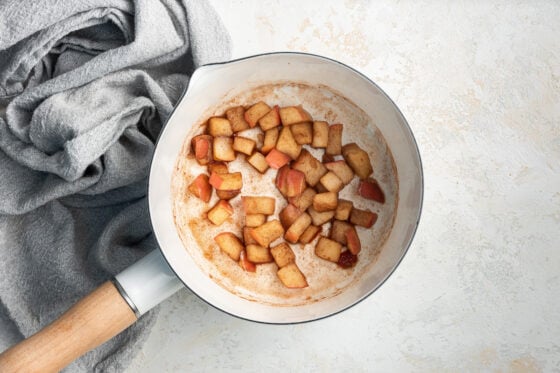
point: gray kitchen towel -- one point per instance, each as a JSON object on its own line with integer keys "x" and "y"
{"x": 88, "y": 85}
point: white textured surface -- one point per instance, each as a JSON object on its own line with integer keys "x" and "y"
{"x": 479, "y": 288}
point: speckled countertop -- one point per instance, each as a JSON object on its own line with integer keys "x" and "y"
{"x": 479, "y": 83}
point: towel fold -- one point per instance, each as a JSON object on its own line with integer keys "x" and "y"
{"x": 88, "y": 86}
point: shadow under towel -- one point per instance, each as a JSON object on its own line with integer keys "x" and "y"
{"x": 86, "y": 87}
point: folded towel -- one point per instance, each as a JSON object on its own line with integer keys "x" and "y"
{"x": 88, "y": 85}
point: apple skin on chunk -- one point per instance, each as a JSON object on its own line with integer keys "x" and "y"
{"x": 201, "y": 188}
{"x": 363, "y": 218}
{"x": 370, "y": 189}
{"x": 245, "y": 263}
{"x": 276, "y": 159}
{"x": 202, "y": 148}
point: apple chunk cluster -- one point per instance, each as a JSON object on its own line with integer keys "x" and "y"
{"x": 310, "y": 188}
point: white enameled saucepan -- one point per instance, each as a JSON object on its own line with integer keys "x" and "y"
{"x": 322, "y": 86}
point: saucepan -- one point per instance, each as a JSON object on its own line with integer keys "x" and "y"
{"x": 325, "y": 88}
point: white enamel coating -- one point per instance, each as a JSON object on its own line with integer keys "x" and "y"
{"x": 215, "y": 83}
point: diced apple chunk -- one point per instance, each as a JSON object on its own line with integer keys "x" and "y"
{"x": 222, "y": 149}
{"x": 287, "y": 144}
{"x": 319, "y": 218}
{"x": 358, "y": 160}
{"x": 201, "y": 188}
{"x": 331, "y": 182}
{"x": 353, "y": 241}
{"x": 219, "y": 127}
{"x": 270, "y": 119}
{"x": 288, "y": 215}
{"x": 320, "y": 134}
{"x": 328, "y": 249}
{"x": 282, "y": 254}
{"x": 235, "y": 115}
{"x": 268, "y": 232}
{"x": 254, "y": 220}
{"x": 342, "y": 170}
{"x": 304, "y": 200}
{"x": 202, "y": 148}
{"x": 247, "y": 238}
{"x": 291, "y": 276}
{"x": 294, "y": 114}
{"x": 276, "y": 159}
{"x": 258, "y": 161}
{"x": 325, "y": 201}
{"x": 370, "y": 189}
{"x": 302, "y": 132}
{"x": 245, "y": 263}
{"x": 229, "y": 244}
{"x": 258, "y": 254}
{"x": 338, "y": 231}
{"x": 290, "y": 182}
{"x": 243, "y": 145}
{"x": 297, "y": 228}
{"x": 310, "y": 166}
{"x": 256, "y": 112}
{"x": 220, "y": 212}
{"x": 217, "y": 167}
{"x": 309, "y": 234}
{"x": 334, "y": 143}
{"x": 227, "y": 194}
{"x": 258, "y": 205}
{"x": 229, "y": 181}
{"x": 343, "y": 209}
{"x": 270, "y": 139}
{"x": 363, "y": 218}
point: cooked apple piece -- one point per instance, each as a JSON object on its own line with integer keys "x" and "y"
{"x": 256, "y": 112}
{"x": 282, "y": 254}
{"x": 229, "y": 244}
{"x": 309, "y": 234}
{"x": 325, "y": 201}
{"x": 219, "y": 127}
{"x": 245, "y": 263}
{"x": 201, "y": 188}
{"x": 247, "y": 238}
{"x": 294, "y": 114}
{"x": 258, "y": 254}
{"x": 288, "y": 215}
{"x": 270, "y": 139}
{"x": 220, "y": 212}
{"x": 347, "y": 259}
{"x": 328, "y": 249}
{"x": 338, "y": 231}
{"x": 363, "y": 218}
{"x": 268, "y": 232}
{"x": 334, "y": 143}
{"x": 258, "y": 161}
{"x": 342, "y": 170}
{"x": 227, "y": 194}
{"x": 270, "y": 119}
{"x": 243, "y": 145}
{"x": 304, "y": 200}
{"x": 258, "y": 205}
{"x": 295, "y": 183}
{"x": 297, "y": 228}
{"x": 370, "y": 189}
{"x": 291, "y": 276}
{"x": 281, "y": 180}
{"x": 254, "y": 220}
{"x": 217, "y": 167}
{"x": 343, "y": 209}
{"x": 222, "y": 148}
{"x": 357, "y": 159}
{"x": 235, "y": 115}
{"x": 331, "y": 182}
{"x": 229, "y": 181}
{"x": 310, "y": 166}
{"x": 353, "y": 240}
{"x": 276, "y": 159}
{"x": 287, "y": 144}
{"x": 320, "y": 134}
{"x": 302, "y": 132}
{"x": 319, "y": 218}
{"x": 202, "y": 148}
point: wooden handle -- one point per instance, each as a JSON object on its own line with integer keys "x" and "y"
{"x": 89, "y": 323}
